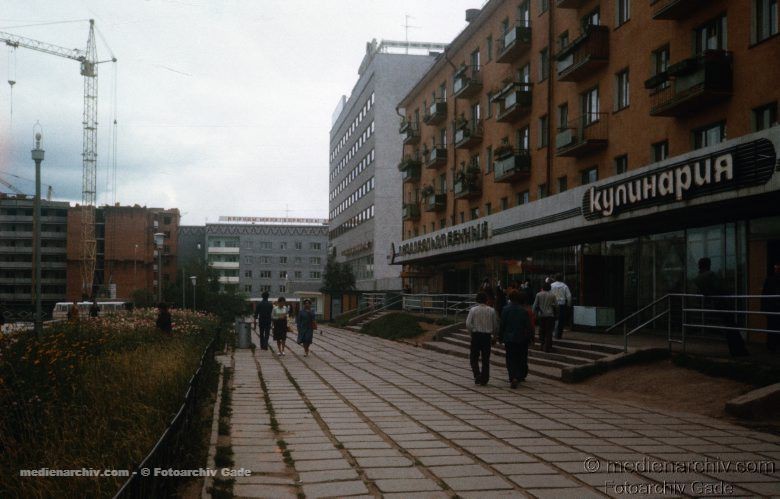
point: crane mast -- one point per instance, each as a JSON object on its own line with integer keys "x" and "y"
{"x": 88, "y": 66}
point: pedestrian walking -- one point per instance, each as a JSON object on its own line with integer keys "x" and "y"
{"x": 500, "y": 299}
{"x": 709, "y": 284}
{"x": 163, "y": 322}
{"x": 772, "y": 306}
{"x": 563, "y": 301}
{"x": 306, "y": 325}
{"x": 279, "y": 318}
{"x": 490, "y": 295}
{"x": 263, "y": 312}
{"x": 94, "y": 309}
{"x": 482, "y": 323}
{"x": 516, "y": 334}
{"x": 73, "y": 312}
{"x": 545, "y": 305}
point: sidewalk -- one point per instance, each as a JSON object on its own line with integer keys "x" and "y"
{"x": 365, "y": 416}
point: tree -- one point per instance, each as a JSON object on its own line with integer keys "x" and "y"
{"x": 338, "y": 277}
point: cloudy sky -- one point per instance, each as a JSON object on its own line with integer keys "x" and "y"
{"x": 223, "y": 106}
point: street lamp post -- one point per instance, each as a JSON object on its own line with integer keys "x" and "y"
{"x": 37, "y": 156}
{"x": 194, "y": 280}
{"x": 159, "y": 239}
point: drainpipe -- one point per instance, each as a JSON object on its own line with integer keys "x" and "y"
{"x": 454, "y": 155}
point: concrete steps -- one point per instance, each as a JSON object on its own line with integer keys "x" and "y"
{"x": 567, "y": 355}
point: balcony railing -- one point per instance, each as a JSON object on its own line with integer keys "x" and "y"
{"x": 468, "y": 135}
{"x": 410, "y": 211}
{"x": 466, "y": 188}
{"x": 435, "y": 202}
{"x": 436, "y": 157}
{"x": 569, "y": 4}
{"x": 580, "y": 58}
{"x": 675, "y": 9}
{"x": 409, "y": 161}
{"x": 514, "y": 101}
{"x": 583, "y": 135}
{"x": 512, "y": 165}
{"x": 437, "y": 113}
{"x": 411, "y": 174}
{"x": 411, "y": 132}
{"x": 467, "y": 82}
{"x": 515, "y": 42}
{"x": 692, "y": 84}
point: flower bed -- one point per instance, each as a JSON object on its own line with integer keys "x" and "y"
{"x": 95, "y": 394}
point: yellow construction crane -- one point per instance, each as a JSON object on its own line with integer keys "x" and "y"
{"x": 88, "y": 66}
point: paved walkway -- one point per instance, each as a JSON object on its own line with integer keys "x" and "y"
{"x": 364, "y": 416}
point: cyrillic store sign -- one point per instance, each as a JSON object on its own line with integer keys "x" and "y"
{"x": 451, "y": 238}
{"x": 739, "y": 166}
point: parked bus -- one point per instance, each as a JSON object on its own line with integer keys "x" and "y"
{"x": 60, "y": 311}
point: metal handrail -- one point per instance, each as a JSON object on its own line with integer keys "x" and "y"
{"x": 632, "y": 315}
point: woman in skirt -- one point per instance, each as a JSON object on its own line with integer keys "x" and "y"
{"x": 279, "y": 318}
{"x": 306, "y": 326}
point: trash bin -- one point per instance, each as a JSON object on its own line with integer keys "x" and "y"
{"x": 244, "y": 332}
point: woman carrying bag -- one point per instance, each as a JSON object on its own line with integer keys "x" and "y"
{"x": 279, "y": 319}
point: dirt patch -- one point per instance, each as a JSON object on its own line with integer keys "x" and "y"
{"x": 663, "y": 385}
{"x": 429, "y": 331}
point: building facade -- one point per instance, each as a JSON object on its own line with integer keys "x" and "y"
{"x": 127, "y": 258}
{"x": 615, "y": 142}
{"x": 282, "y": 259}
{"x": 16, "y": 253}
{"x": 364, "y": 183}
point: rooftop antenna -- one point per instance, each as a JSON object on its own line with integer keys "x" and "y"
{"x": 407, "y": 26}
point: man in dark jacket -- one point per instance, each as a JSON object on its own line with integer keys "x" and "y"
{"x": 516, "y": 334}
{"x": 263, "y": 318}
{"x": 709, "y": 284}
{"x": 164, "y": 323}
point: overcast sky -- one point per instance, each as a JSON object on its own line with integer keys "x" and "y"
{"x": 223, "y": 106}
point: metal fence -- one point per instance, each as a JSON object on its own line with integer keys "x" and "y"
{"x": 439, "y": 304}
{"x": 168, "y": 450}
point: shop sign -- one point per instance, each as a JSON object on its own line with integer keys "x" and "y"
{"x": 451, "y": 238}
{"x": 740, "y": 166}
{"x": 358, "y": 248}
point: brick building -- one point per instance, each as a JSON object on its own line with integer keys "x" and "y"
{"x": 126, "y": 255}
{"x": 525, "y": 141}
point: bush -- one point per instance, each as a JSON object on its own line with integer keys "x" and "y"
{"x": 94, "y": 394}
{"x": 393, "y": 326}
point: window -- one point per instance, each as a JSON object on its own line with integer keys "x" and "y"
{"x": 315, "y": 275}
{"x": 524, "y": 73}
{"x": 622, "y": 11}
{"x": 474, "y": 214}
{"x": 282, "y": 288}
{"x": 660, "y": 61}
{"x": 544, "y": 64}
{"x": 590, "y": 106}
{"x": 248, "y": 273}
{"x": 764, "y": 20}
{"x": 563, "y": 40}
{"x": 488, "y": 209}
{"x": 563, "y": 116}
{"x": 563, "y": 184}
{"x": 544, "y": 6}
{"x": 621, "y": 164}
{"x": 489, "y": 48}
{"x": 489, "y": 155}
{"x": 283, "y": 246}
{"x": 265, "y": 288}
{"x": 282, "y": 274}
{"x": 591, "y": 19}
{"x": 265, "y": 274}
{"x": 298, "y": 245}
{"x": 543, "y": 132}
{"x": 490, "y": 104}
{"x": 504, "y": 203}
{"x": 298, "y": 274}
{"x": 621, "y": 90}
{"x": 247, "y": 288}
{"x": 315, "y": 260}
{"x": 283, "y": 259}
{"x": 711, "y": 36}
{"x": 590, "y": 175}
{"x": 442, "y": 223}
{"x": 265, "y": 260}
{"x": 709, "y": 135}
{"x": 522, "y": 198}
{"x": 266, "y": 245}
{"x": 660, "y": 151}
{"x": 315, "y": 246}
{"x": 462, "y": 217}
{"x": 764, "y": 117}
{"x": 475, "y": 60}
{"x": 542, "y": 192}
{"x": 523, "y": 138}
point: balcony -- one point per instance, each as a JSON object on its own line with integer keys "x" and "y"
{"x": 467, "y": 186}
{"x": 436, "y": 157}
{"x": 411, "y": 132}
{"x": 585, "y": 55}
{"x": 692, "y": 84}
{"x": 409, "y": 161}
{"x": 513, "y": 101}
{"x": 411, "y": 211}
{"x": 515, "y": 42}
{"x": 466, "y": 83}
{"x": 512, "y": 165}
{"x": 436, "y": 113}
{"x": 411, "y": 174}
{"x": 468, "y": 135}
{"x": 435, "y": 202}
{"x": 569, "y": 4}
{"x": 585, "y": 135}
{"x": 668, "y": 10}
{"x": 221, "y": 250}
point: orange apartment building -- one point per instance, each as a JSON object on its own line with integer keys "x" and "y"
{"x": 127, "y": 258}
{"x": 528, "y": 144}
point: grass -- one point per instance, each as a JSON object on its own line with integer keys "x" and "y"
{"x": 223, "y": 457}
{"x": 97, "y": 394}
{"x": 393, "y": 326}
{"x": 751, "y": 373}
{"x": 225, "y": 409}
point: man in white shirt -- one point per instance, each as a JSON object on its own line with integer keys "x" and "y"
{"x": 482, "y": 323}
{"x": 563, "y": 299}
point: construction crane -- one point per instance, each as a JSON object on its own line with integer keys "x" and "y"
{"x": 88, "y": 65}
{"x": 10, "y": 186}
{"x": 49, "y": 192}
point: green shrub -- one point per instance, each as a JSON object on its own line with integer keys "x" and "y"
{"x": 393, "y": 326}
